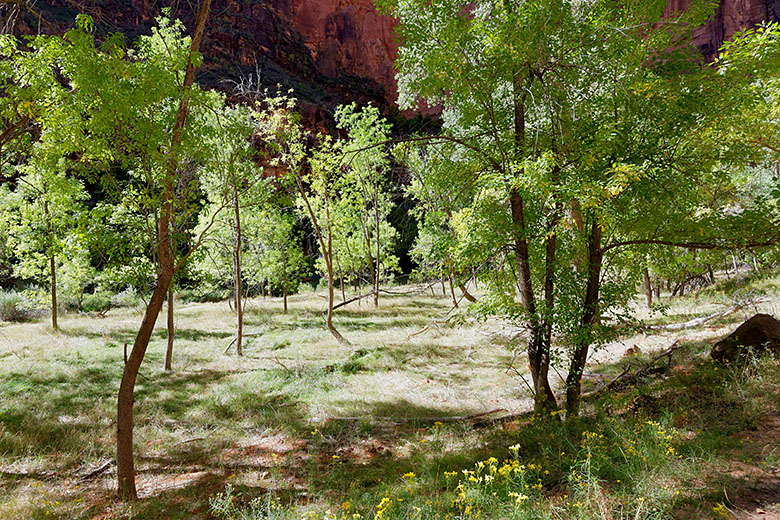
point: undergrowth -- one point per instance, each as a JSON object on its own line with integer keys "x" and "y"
{"x": 641, "y": 453}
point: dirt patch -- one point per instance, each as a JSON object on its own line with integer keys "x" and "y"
{"x": 153, "y": 485}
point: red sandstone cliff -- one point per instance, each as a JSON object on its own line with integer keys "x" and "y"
{"x": 330, "y": 51}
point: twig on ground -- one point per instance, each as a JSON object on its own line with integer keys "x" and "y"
{"x": 276, "y": 360}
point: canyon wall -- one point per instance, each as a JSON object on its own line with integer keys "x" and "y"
{"x": 329, "y": 51}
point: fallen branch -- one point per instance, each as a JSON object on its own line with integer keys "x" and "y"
{"x": 627, "y": 376}
{"x": 407, "y": 420}
{"x": 189, "y": 440}
{"x": 424, "y": 329}
{"x": 700, "y": 321}
{"x": 347, "y": 302}
{"x": 101, "y": 469}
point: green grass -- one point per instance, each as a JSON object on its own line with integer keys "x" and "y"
{"x": 301, "y": 425}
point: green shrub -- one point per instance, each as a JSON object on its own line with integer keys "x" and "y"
{"x": 127, "y": 298}
{"x": 95, "y": 303}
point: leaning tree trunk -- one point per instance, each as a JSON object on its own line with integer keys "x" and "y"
{"x": 171, "y": 331}
{"x": 327, "y": 253}
{"x": 452, "y": 291}
{"x": 125, "y": 398}
{"x": 590, "y": 310}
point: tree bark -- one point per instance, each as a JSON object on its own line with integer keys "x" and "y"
{"x": 124, "y": 429}
{"x": 590, "y": 310}
{"x": 171, "y": 331}
{"x": 452, "y": 292}
{"x": 238, "y": 282}
{"x": 53, "y": 269}
{"x": 378, "y": 244}
{"x": 648, "y": 287}
{"x": 536, "y": 344}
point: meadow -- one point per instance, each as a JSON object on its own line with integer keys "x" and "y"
{"x": 424, "y": 415}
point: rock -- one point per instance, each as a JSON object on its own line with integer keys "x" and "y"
{"x": 759, "y": 333}
{"x": 331, "y": 51}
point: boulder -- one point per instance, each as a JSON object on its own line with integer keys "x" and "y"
{"x": 759, "y": 333}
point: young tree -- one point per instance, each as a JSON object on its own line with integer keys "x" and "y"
{"x": 232, "y": 177}
{"x": 313, "y": 172}
{"x": 44, "y": 212}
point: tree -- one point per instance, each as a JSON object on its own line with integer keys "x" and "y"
{"x": 44, "y": 211}
{"x": 313, "y": 172}
{"x": 576, "y": 115}
{"x": 276, "y": 246}
{"x": 365, "y": 179}
{"x": 125, "y": 465}
{"x": 232, "y": 176}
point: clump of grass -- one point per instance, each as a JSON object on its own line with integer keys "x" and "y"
{"x": 14, "y": 307}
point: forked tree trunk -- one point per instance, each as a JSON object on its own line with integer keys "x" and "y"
{"x": 590, "y": 310}
{"x": 171, "y": 331}
{"x": 53, "y": 270}
{"x": 125, "y": 398}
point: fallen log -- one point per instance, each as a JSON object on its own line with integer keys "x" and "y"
{"x": 704, "y": 319}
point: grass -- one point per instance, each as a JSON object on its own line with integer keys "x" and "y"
{"x": 300, "y": 425}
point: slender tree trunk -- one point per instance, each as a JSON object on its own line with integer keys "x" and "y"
{"x": 285, "y": 283}
{"x": 452, "y": 292}
{"x": 238, "y": 282}
{"x": 125, "y": 398}
{"x": 329, "y": 265}
{"x": 522, "y": 257}
{"x": 53, "y": 270}
{"x": 327, "y": 253}
{"x": 341, "y": 281}
{"x": 171, "y": 331}
{"x": 648, "y": 287}
{"x": 466, "y": 294}
{"x": 378, "y": 244}
{"x": 589, "y": 313}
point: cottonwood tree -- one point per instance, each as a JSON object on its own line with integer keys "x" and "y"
{"x": 365, "y": 179}
{"x": 578, "y": 113}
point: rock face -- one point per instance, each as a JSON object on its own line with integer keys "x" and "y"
{"x": 759, "y": 333}
{"x": 329, "y": 51}
{"x": 732, "y": 16}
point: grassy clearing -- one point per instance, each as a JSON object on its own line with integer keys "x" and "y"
{"x": 303, "y": 426}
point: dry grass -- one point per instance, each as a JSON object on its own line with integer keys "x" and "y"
{"x": 265, "y": 421}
